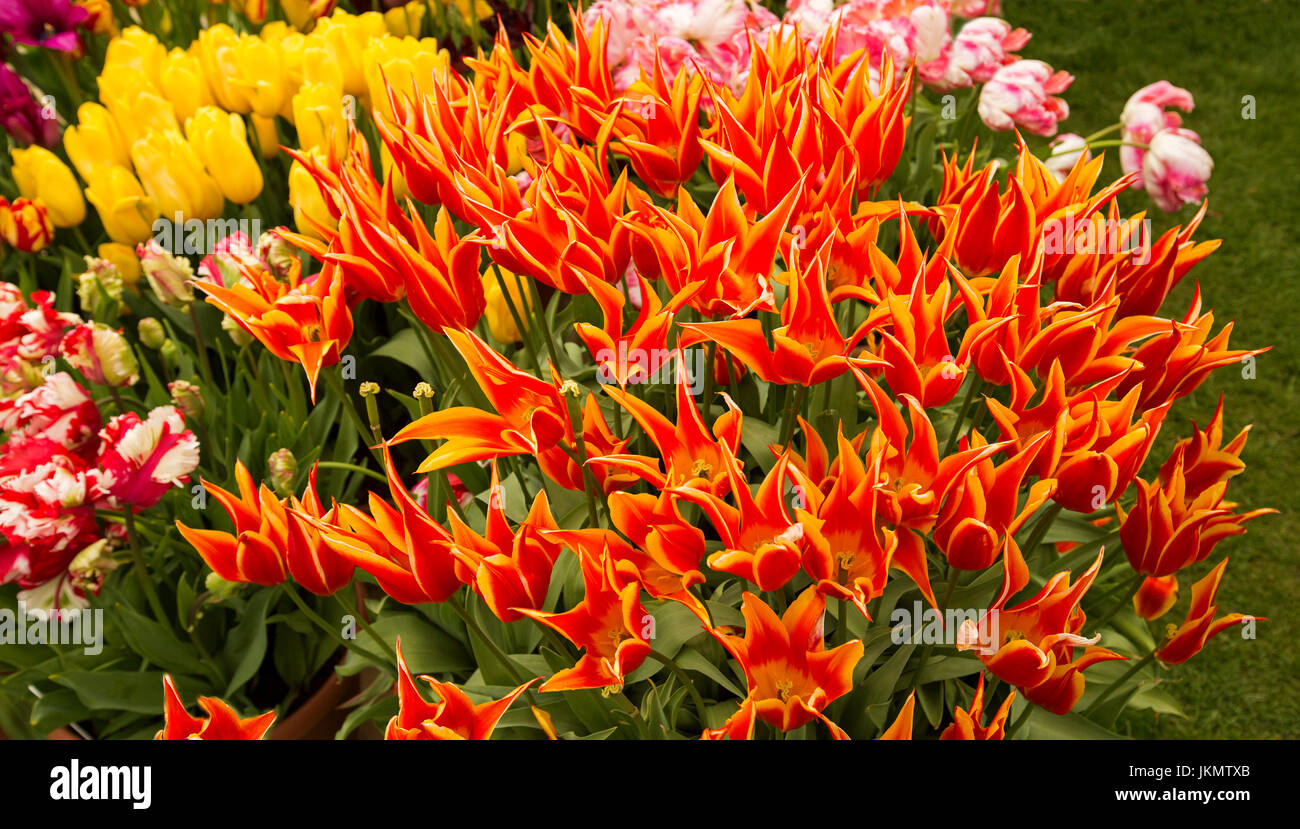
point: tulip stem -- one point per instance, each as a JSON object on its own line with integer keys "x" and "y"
{"x": 525, "y": 336}
{"x": 352, "y": 467}
{"x": 966, "y": 403}
{"x": 1102, "y": 132}
{"x": 200, "y": 346}
{"x": 336, "y": 385}
{"x": 1115, "y": 686}
{"x": 1041, "y": 527}
{"x": 316, "y": 619}
{"x": 359, "y": 605}
{"x": 1125, "y": 599}
{"x": 475, "y": 630}
{"x": 671, "y": 664}
{"x": 141, "y": 568}
{"x": 796, "y": 407}
{"x": 1021, "y": 720}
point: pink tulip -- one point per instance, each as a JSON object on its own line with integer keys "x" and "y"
{"x": 1144, "y": 115}
{"x": 1175, "y": 169}
{"x": 979, "y": 50}
{"x": 1067, "y": 149}
{"x": 1024, "y": 94}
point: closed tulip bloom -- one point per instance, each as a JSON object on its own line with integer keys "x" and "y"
{"x": 138, "y": 50}
{"x": 405, "y": 21}
{"x": 40, "y": 174}
{"x": 1023, "y": 94}
{"x": 101, "y": 354}
{"x": 100, "y": 20}
{"x": 267, "y": 136}
{"x": 135, "y": 103}
{"x": 218, "y": 55}
{"x": 182, "y": 82}
{"x": 1175, "y": 169}
{"x": 261, "y": 75}
{"x": 501, "y": 322}
{"x": 174, "y": 178}
{"x": 319, "y": 117}
{"x": 169, "y": 276}
{"x": 126, "y": 212}
{"x": 26, "y": 225}
{"x": 302, "y": 12}
{"x": 26, "y": 120}
{"x": 95, "y": 141}
{"x": 253, "y": 10}
{"x": 221, "y": 141}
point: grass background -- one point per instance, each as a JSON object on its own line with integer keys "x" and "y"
{"x": 1221, "y": 52}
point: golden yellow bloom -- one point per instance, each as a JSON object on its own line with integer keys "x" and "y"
{"x": 124, "y": 259}
{"x": 41, "y": 175}
{"x": 136, "y": 104}
{"x": 346, "y": 36}
{"x": 268, "y": 137}
{"x": 497, "y": 312}
{"x": 174, "y": 178}
{"x": 218, "y": 52}
{"x": 136, "y": 49}
{"x": 221, "y": 141}
{"x": 405, "y": 21}
{"x": 309, "y": 208}
{"x": 408, "y": 64}
{"x": 101, "y": 17}
{"x": 260, "y": 75}
{"x": 182, "y": 83}
{"x": 318, "y": 114}
{"x": 95, "y": 141}
{"x": 301, "y": 13}
{"x": 484, "y": 10}
{"x": 127, "y": 213}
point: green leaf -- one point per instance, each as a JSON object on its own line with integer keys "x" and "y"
{"x": 692, "y": 660}
{"x": 405, "y": 348}
{"x": 1048, "y": 726}
{"x": 246, "y": 644}
{"x": 136, "y": 691}
{"x": 58, "y": 708}
{"x": 426, "y": 648}
{"x": 155, "y": 642}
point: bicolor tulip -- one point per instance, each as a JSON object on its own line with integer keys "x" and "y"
{"x": 1186, "y": 640}
{"x": 222, "y": 721}
{"x": 453, "y": 717}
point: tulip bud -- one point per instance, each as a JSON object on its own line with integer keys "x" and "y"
{"x": 26, "y": 225}
{"x": 169, "y": 276}
{"x": 170, "y": 355}
{"x": 100, "y": 283}
{"x": 40, "y": 174}
{"x": 187, "y": 398}
{"x": 1175, "y": 169}
{"x": 90, "y": 565}
{"x": 221, "y": 141}
{"x": 126, "y": 212}
{"x": 101, "y": 354}
{"x": 221, "y": 588}
{"x": 151, "y": 333}
{"x": 126, "y": 262}
{"x": 268, "y": 138}
{"x": 282, "y": 468}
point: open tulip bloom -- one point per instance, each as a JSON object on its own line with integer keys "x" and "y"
{"x": 665, "y": 370}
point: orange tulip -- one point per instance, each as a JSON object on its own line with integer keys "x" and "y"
{"x": 901, "y": 728}
{"x": 966, "y": 725}
{"x": 222, "y": 722}
{"x": 454, "y": 717}
{"x": 610, "y": 625}
{"x": 791, "y": 677}
{"x": 1156, "y": 597}
{"x": 305, "y": 323}
{"x": 1185, "y": 641}
{"x": 657, "y": 126}
{"x": 407, "y": 552}
{"x": 273, "y": 538}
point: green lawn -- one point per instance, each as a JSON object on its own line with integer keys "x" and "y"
{"x": 1221, "y": 51}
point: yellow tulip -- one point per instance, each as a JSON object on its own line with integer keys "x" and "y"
{"x": 268, "y": 137}
{"x": 347, "y": 36}
{"x": 127, "y": 213}
{"x": 182, "y": 82}
{"x": 405, "y": 21}
{"x": 124, "y": 259}
{"x": 136, "y": 105}
{"x": 301, "y": 13}
{"x": 309, "y": 208}
{"x": 218, "y": 52}
{"x": 408, "y": 65}
{"x": 95, "y": 141}
{"x": 260, "y": 75}
{"x": 174, "y": 178}
{"x": 41, "y": 175}
{"x": 497, "y": 312}
{"x": 221, "y": 141}
{"x": 318, "y": 114}
{"x": 136, "y": 49}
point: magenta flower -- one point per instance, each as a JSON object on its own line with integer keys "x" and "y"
{"x": 21, "y": 115}
{"x": 48, "y": 23}
{"x": 1023, "y": 94}
{"x": 141, "y": 459}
